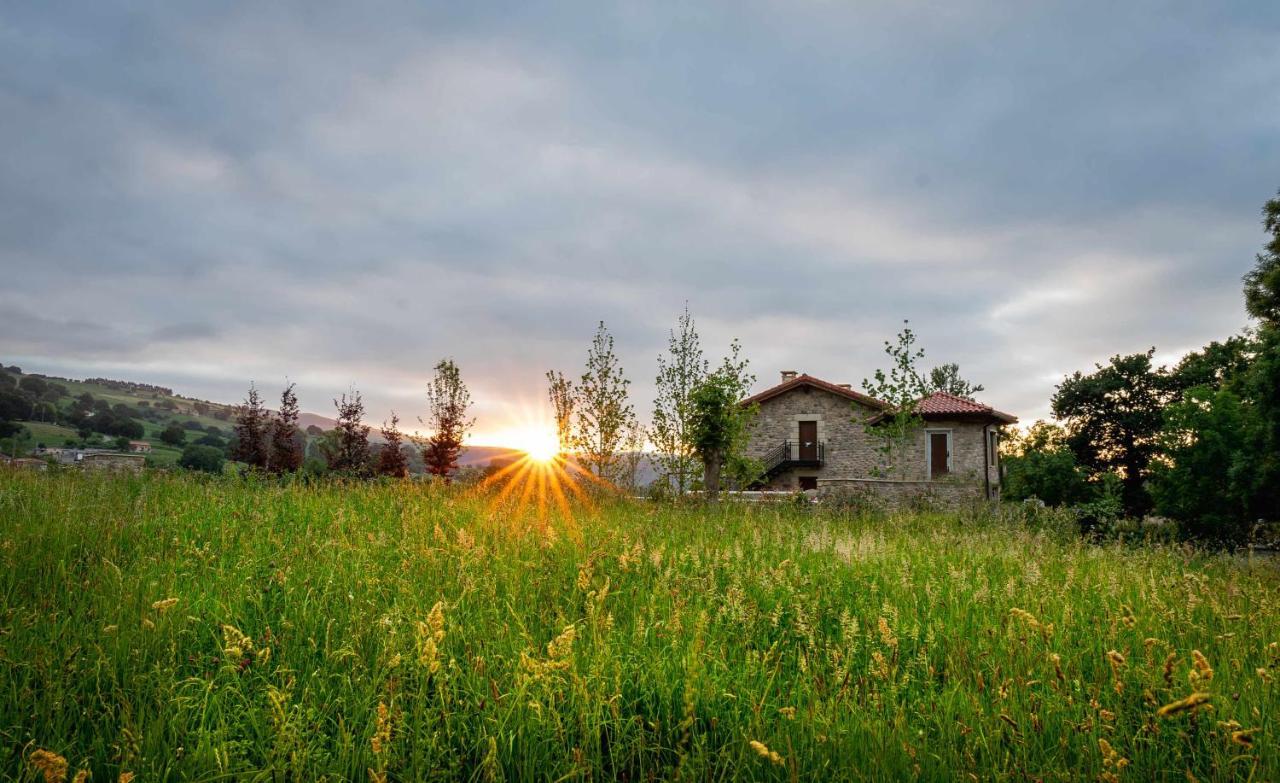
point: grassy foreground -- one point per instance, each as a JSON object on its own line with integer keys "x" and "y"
{"x": 187, "y": 629}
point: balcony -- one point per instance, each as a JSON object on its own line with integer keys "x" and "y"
{"x": 791, "y": 454}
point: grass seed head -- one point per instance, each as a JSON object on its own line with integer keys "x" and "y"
{"x": 762, "y": 750}
{"x": 52, "y": 766}
{"x": 1182, "y": 705}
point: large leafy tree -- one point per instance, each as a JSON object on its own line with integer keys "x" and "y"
{"x": 679, "y": 372}
{"x": 1262, "y": 284}
{"x": 946, "y": 378}
{"x": 447, "y": 402}
{"x": 1218, "y": 365}
{"x": 1205, "y": 480}
{"x": 719, "y": 423}
{"x": 1113, "y": 417}
{"x": 1040, "y": 465}
{"x": 1262, "y": 387}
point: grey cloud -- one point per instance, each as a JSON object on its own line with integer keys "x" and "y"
{"x": 342, "y": 195}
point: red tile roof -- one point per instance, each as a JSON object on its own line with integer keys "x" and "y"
{"x": 939, "y": 405}
{"x": 943, "y": 405}
{"x": 816, "y": 383}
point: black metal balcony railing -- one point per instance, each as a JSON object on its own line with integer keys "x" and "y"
{"x": 794, "y": 454}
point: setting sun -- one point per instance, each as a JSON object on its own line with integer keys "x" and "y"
{"x": 537, "y": 443}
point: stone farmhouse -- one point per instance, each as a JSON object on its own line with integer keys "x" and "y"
{"x": 812, "y": 435}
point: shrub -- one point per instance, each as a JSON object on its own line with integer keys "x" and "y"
{"x": 208, "y": 459}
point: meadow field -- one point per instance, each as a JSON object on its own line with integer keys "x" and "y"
{"x": 167, "y": 627}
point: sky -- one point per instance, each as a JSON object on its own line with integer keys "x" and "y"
{"x": 201, "y": 195}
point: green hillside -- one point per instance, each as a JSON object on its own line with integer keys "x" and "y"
{"x": 38, "y": 409}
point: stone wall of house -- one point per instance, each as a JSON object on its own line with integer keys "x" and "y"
{"x": 852, "y": 455}
{"x": 849, "y": 451}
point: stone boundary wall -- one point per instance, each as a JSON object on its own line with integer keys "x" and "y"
{"x": 898, "y": 492}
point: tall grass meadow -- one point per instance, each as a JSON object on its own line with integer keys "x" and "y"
{"x": 169, "y": 627}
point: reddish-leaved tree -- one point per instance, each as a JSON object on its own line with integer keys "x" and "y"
{"x": 286, "y": 450}
{"x": 447, "y": 402}
{"x": 252, "y": 424}
{"x": 392, "y": 460}
{"x": 348, "y": 453}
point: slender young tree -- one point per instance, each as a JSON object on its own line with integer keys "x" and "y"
{"x": 447, "y": 401}
{"x": 392, "y": 460}
{"x": 252, "y": 425}
{"x": 286, "y": 451}
{"x": 679, "y": 372}
{"x": 604, "y": 417}
{"x": 902, "y": 387}
{"x": 560, "y": 393}
{"x": 348, "y": 453}
{"x": 628, "y": 471}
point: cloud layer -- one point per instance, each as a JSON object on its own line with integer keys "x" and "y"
{"x": 201, "y": 198}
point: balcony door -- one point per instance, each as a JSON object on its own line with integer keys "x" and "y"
{"x": 808, "y": 441}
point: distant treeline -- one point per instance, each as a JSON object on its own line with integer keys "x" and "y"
{"x": 131, "y": 386}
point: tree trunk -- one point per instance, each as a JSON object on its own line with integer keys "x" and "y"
{"x": 711, "y": 476}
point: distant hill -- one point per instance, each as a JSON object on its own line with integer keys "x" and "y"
{"x": 57, "y": 412}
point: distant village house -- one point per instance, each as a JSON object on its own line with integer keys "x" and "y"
{"x": 813, "y": 435}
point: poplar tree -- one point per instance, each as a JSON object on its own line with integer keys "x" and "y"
{"x": 252, "y": 425}
{"x": 603, "y": 416}
{"x": 286, "y": 451}
{"x": 447, "y": 401}
{"x": 392, "y": 460}
{"x": 679, "y": 372}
